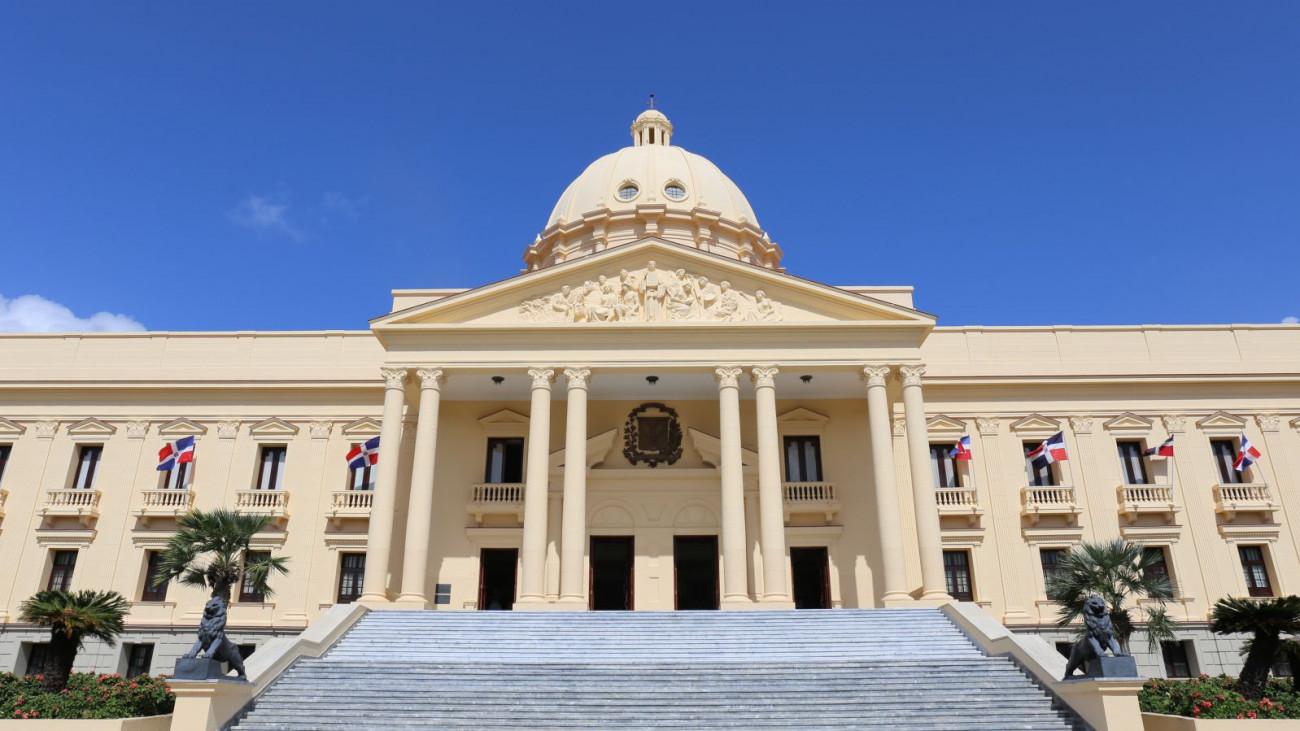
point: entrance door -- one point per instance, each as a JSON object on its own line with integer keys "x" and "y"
{"x": 695, "y": 566}
{"x": 611, "y": 572}
{"x": 496, "y": 578}
{"x": 812, "y": 578}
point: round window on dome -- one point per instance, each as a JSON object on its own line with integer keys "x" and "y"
{"x": 675, "y": 191}
{"x": 628, "y": 191}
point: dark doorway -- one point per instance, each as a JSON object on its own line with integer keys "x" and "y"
{"x": 496, "y": 578}
{"x": 611, "y": 572}
{"x": 811, "y": 571}
{"x": 695, "y": 565}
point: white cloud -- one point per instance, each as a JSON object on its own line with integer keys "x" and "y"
{"x": 267, "y": 215}
{"x": 333, "y": 201}
{"x": 32, "y": 313}
{"x": 1290, "y": 320}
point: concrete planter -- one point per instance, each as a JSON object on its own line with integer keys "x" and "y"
{"x": 1164, "y": 722}
{"x": 141, "y": 723}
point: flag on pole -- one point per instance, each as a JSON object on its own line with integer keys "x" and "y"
{"x": 961, "y": 450}
{"x": 364, "y": 454}
{"x": 1051, "y": 450}
{"x": 180, "y": 451}
{"x": 1248, "y": 455}
{"x": 1166, "y": 449}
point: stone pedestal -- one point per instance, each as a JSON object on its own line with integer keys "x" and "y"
{"x": 208, "y": 705}
{"x": 1112, "y": 667}
{"x": 201, "y": 668}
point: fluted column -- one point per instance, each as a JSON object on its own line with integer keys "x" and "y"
{"x": 934, "y": 586}
{"x": 419, "y": 512}
{"x": 735, "y": 584}
{"x": 533, "y": 581}
{"x": 888, "y": 518}
{"x": 573, "y": 528}
{"x": 383, "y": 508}
{"x": 771, "y": 508}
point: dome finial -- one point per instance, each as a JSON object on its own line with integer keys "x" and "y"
{"x": 652, "y": 127}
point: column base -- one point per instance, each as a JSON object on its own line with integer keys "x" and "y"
{"x": 376, "y": 602}
{"x": 739, "y": 602}
{"x": 534, "y": 605}
{"x": 411, "y": 601}
{"x": 776, "y": 603}
{"x": 898, "y": 599}
{"x": 935, "y": 599}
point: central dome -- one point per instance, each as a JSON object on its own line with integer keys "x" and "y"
{"x": 652, "y": 189}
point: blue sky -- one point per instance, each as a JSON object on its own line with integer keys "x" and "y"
{"x": 229, "y": 166}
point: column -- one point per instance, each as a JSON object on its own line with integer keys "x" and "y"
{"x": 771, "y": 507}
{"x": 734, "y": 576}
{"x": 419, "y": 514}
{"x": 383, "y": 509}
{"x": 533, "y": 581}
{"x": 573, "y": 528}
{"x": 934, "y": 586}
{"x": 893, "y": 573}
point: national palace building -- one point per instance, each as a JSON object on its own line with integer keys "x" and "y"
{"x": 654, "y": 415}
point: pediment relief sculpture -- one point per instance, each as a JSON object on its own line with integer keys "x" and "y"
{"x": 651, "y": 295}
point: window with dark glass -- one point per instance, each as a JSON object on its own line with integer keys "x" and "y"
{"x": 248, "y": 592}
{"x": 1050, "y": 558}
{"x": 139, "y": 660}
{"x": 1159, "y": 565}
{"x": 270, "y": 474}
{"x": 1281, "y": 668}
{"x": 5, "y": 449}
{"x": 1177, "y": 664}
{"x": 178, "y": 477}
{"x": 1252, "y": 564}
{"x": 943, "y": 467}
{"x": 37, "y": 654}
{"x": 61, "y": 570}
{"x": 364, "y": 478}
{"x": 1039, "y": 476}
{"x": 352, "y": 574}
{"x": 1132, "y": 462}
{"x": 152, "y": 592}
{"x": 88, "y": 457}
{"x": 956, "y": 570}
{"x": 1225, "y": 454}
{"x": 803, "y": 459}
{"x": 505, "y": 461}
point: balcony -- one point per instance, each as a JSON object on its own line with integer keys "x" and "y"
{"x": 1036, "y": 502}
{"x": 345, "y": 504}
{"x": 810, "y": 497}
{"x": 958, "y": 501}
{"x": 504, "y": 498}
{"x": 165, "y": 504}
{"x": 80, "y": 504}
{"x": 1243, "y": 498}
{"x": 274, "y": 503}
{"x": 1135, "y": 500}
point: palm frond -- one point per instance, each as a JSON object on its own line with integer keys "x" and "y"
{"x": 78, "y": 615}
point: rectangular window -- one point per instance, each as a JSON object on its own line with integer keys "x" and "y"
{"x": 5, "y": 449}
{"x": 88, "y": 457}
{"x": 37, "y": 653}
{"x": 1177, "y": 664}
{"x": 1252, "y": 564}
{"x": 943, "y": 467}
{"x": 352, "y": 574}
{"x": 1043, "y": 476}
{"x": 1225, "y": 453}
{"x": 364, "y": 478}
{"x": 803, "y": 459}
{"x": 178, "y": 477}
{"x": 1132, "y": 463}
{"x": 152, "y": 571}
{"x": 61, "y": 571}
{"x": 139, "y": 660}
{"x": 505, "y": 461}
{"x": 270, "y": 475}
{"x": 247, "y": 591}
{"x": 956, "y": 569}
{"x": 1159, "y": 565}
{"x": 1050, "y": 558}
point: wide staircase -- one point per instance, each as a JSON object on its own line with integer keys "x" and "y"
{"x": 875, "y": 668}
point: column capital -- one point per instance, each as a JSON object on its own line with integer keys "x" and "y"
{"x": 1268, "y": 422}
{"x": 764, "y": 376}
{"x": 727, "y": 376}
{"x": 1081, "y": 424}
{"x": 875, "y": 374}
{"x": 431, "y": 379}
{"x": 910, "y": 373}
{"x": 394, "y": 377}
{"x": 577, "y": 377}
{"x": 1175, "y": 424}
{"x": 987, "y": 425}
{"x": 542, "y": 377}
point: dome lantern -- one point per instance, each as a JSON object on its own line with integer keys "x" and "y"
{"x": 651, "y": 128}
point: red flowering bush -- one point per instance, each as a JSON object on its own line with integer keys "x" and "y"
{"x": 1219, "y": 697}
{"x": 87, "y": 696}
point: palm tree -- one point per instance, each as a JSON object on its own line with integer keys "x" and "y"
{"x": 1266, "y": 621}
{"x": 209, "y": 550}
{"x": 1119, "y": 572}
{"x": 72, "y": 617}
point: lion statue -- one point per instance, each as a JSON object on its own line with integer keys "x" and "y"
{"x": 1100, "y": 636}
{"x": 212, "y": 639}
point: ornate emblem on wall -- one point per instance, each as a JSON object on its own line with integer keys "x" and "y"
{"x": 652, "y": 435}
{"x": 651, "y": 295}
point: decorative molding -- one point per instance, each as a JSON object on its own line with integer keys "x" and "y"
{"x": 91, "y": 427}
{"x": 150, "y": 540}
{"x": 910, "y": 374}
{"x": 268, "y": 540}
{"x": 598, "y": 450}
{"x": 727, "y": 376}
{"x": 987, "y": 425}
{"x": 650, "y": 294}
{"x": 394, "y": 377}
{"x": 1175, "y": 424}
{"x": 1057, "y": 536}
{"x": 272, "y": 428}
{"x": 577, "y": 378}
{"x": 136, "y": 429}
{"x": 900, "y": 426}
{"x": 1221, "y": 421}
{"x": 1295, "y": 423}
{"x": 541, "y": 377}
{"x": 764, "y": 376}
{"x": 875, "y": 375}
{"x": 11, "y": 428}
{"x": 320, "y": 429}
{"x": 46, "y": 429}
{"x": 1129, "y": 421}
{"x": 74, "y": 538}
{"x": 182, "y": 427}
{"x": 431, "y": 379}
{"x": 652, "y": 435}
{"x": 1036, "y": 423}
{"x": 1268, "y": 422}
{"x": 355, "y": 541}
{"x": 1158, "y": 534}
{"x": 945, "y": 426}
{"x": 227, "y": 429}
{"x": 1238, "y": 533}
{"x": 367, "y": 426}
{"x": 802, "y": 421}
{"x": 1081, "y": 424}
{"x": 962, "y": 538}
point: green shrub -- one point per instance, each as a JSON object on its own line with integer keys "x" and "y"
{"x": 1219, "y": 697}
{"x": 87, "y": 696}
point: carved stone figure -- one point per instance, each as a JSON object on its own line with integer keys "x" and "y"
{"x": 653, "y": 291}
{"x": 607, "y": 308}
{"x": 212, "y": 641}
{"x": 764, "y": 308}
{"x": 728, "y": 306}
{"x": 1100, "y": 636}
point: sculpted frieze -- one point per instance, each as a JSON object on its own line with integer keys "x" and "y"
{"x": 651, "y": 294}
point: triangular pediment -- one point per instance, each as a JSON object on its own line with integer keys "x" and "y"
{"x": 942, "y": 425}
{"x": 504, "y": 423}
{"x": 1129, "y": 421}
{"x": 803, "y": 421}
{"x": 273, "y": 427}
{"x": 652, "y": 282}
{"x": 91, "y": 427}
{"x": 10, "y": 428}
{"x": 1036, "y": 423}
{"x": 366, "y": 426}
{"x": 181, "y": 427}
{"x": 1221, "y": 420}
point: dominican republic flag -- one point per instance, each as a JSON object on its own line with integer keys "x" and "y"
{"x": 364, "y": 454}
{"x": 177, "y": 452}
{"x": 1248, "y": 455}
{"x": 961, "y": 450}
{"x": 1166, "y": 449}
{"x": 1052, "y": 450}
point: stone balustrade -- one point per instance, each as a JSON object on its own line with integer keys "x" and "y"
{"x": 959, "y": 501}
{"x": 1135, "y": 500}
{"x": 1230, "y": 499}
{"x": 345, "y": 504}
{"x": 271, "y": 502}
{"x": 1037, "y": 501}
{"x": 80, "y": 504}
{"x": 500, "y": 498}
{"x": 810, "y": 497}
{"x": 164, "y": 503}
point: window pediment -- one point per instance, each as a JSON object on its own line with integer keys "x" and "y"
{"x": 802, "y": 421}
{"x": 504, "y": 423}
{"x": 366, "y": 426}
{"x": 272, "y": 428}
{"x": 11, "y": 428}
{"x": 1129, "y": 422}
{"x": 945, "y": 426}
{"x": 91, "y": 427}
{"x": 1036, "y": 425}
{"x": 182, "y": 427}
{"x": 1221, "y": 423}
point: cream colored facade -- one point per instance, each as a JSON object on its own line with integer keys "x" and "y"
{"x": 669, "y": 296}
